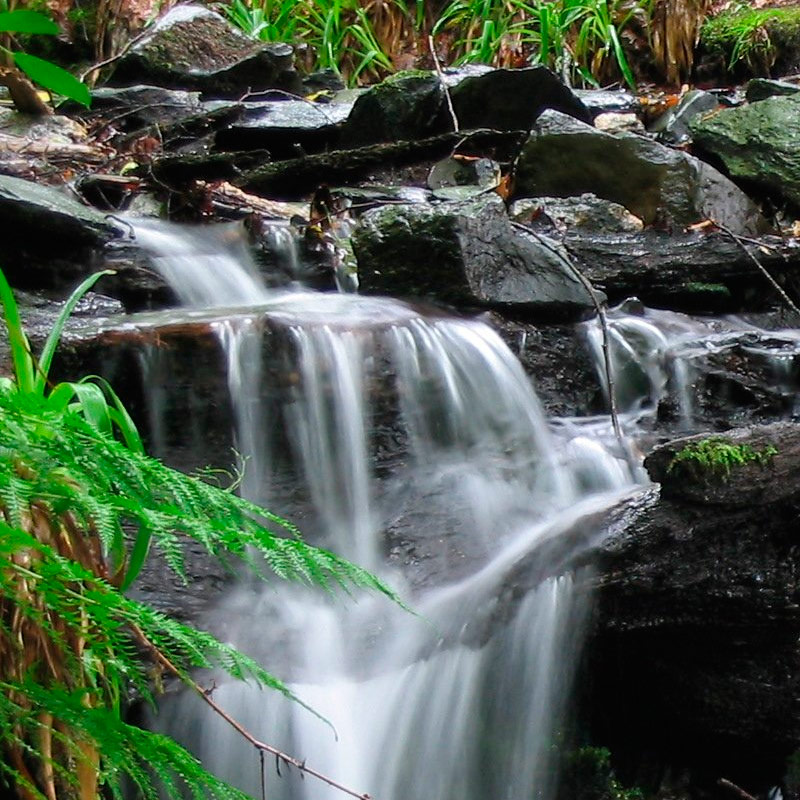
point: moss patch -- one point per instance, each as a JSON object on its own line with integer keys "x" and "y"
{"x": 757, "y": 38}
{"x": 718, "y": 456}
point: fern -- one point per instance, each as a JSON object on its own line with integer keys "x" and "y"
{"x": 79, "y": 510}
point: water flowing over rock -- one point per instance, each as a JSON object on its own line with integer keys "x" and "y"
{"x": 756, "y": 144}
{"x": 663, "y": 187}
{"x": 194, "y": 48}
{"x": 465, "y": 253}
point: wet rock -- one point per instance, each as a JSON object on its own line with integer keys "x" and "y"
{"x": 466, "y": 254}
{"x": 398, "y": 163}
{"x": 459, "y": 178}
{"x": 605, "y": 101}
{"x": 673, "y": 127}
{"x": 285, "y": 128}
{"x": 695, "y": 648}
{"x": 403, "y": 107}
{"x": 194, "y": 48}
{"x": 676, "y": 271}
{"x": 613, "y": 122}
{"x": 135, "y": 107}
{"x": 508, "y": 100}
{"x": 28, "y": 209}
{"x": 663, "y": 187}
{"x": 756, "y": 144}
{"x": 762, "y": 88}
{"x": 586, "y": 211}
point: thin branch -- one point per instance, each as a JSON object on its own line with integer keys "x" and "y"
{"x": 262, "y": 747}
{"x": 111, "y": 59}
{"x": 601, "y": 313}
{"x": 737, "y": 790}
{"x": 292, "y": 96}
{"x": 438, "y": 67}
{"x": 740, "y": 241}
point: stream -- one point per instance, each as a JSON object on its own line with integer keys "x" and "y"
{"x": 469, "y": 696}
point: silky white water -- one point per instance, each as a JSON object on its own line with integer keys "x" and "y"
{"x": 467, "y": 699}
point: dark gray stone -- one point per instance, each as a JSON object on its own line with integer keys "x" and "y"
{"x": 404, "y": 107}
{"x": 673, "y": 127}
{"x": 606, "y": 101}
{"x": 695, "y": 650}
{"x": 762, "y": 88}
{"x": 194, "y": 48}
{"x": 663, "y": 187}
{"x": 467, "y": 254}
{"x": 586, "y": 211}
{"x": 507, "y": 100}
{"x": 757, "y": 144}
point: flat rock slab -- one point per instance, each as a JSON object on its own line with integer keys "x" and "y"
{"x": 468, "y": 254}
{"x": 194, "y": 48}
{"x": 665, "y": 188}
{"x": 758, "y": 144}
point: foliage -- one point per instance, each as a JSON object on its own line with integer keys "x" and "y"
{"x": 718, "y": 455}
{"x": 39, "y": 70}
{"x": 580, "y": 38}
{"x": 746, "y": 35}
{"x": 78, "y": 510}
{"x": 587, "y": 775}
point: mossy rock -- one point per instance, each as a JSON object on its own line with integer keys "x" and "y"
{"x": 756, "y": 42}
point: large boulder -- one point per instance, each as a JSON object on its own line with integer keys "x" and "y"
{"x": 412, "y": 105}
{"x": 757, "y": 144}
{"x": 663, "y": 187}
{"x": 192, "y": 47}
{"x": 694, "y": 660}
{"x": 465, "y": 253}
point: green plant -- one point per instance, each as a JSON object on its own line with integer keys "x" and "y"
{"x": 75, "y": 504}
{"x": 39, "y": 70}
{"x": 588, "y": 775}
{"x": 718, "y": 455}
{"x": 746, "y": 35}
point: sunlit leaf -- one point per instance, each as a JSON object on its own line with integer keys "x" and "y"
{"x": 54, "y": 78}
{"x": 24, "y": 21}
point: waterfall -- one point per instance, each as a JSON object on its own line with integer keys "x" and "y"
{"x": 410, "y": 433}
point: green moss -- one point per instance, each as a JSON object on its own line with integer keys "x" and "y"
{"x": 707, "y": 288}
{"x": 719, "y": 456}
{"x": 753, "y": 36}
{"x": 588, "y": 775}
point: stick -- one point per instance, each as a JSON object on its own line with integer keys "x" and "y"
{"x": 740, "y": 241}
{"x": 737, "y": 790}
{"x": 111, "y": 59}
{"x": 438, "y": 67}
{"x": 607, "y": 364}
{"x": 262, "y": 747}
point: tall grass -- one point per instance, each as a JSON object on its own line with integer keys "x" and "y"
{"x": 363, "y": 40}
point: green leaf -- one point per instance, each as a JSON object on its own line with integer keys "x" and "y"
{"x": 23, "y": 21}
{"x": 53, "y": 78}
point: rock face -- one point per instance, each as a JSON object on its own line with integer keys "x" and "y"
{"x": 192, "y": 47}
{"x": 757, "y": 144}
{"x": 465, "y": 253}
{"x": 661, "y": 186}
{"x": 696, "y": 652}
{"x": 411, "y": 106}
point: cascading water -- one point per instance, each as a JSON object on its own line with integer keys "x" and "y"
{"x": 468, "y": 698}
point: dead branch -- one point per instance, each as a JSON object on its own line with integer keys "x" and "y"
{"x": 233, "y": 196}
{"x": 262, "y": 747}
{"x": 438, "y": 67}
{"x": 740, "y": 241}
{"x": 601, "y": 313}
{"x": 737, "y": 790}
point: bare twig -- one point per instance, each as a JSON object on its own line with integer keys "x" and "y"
{"x": 438, "y": 67}
{"x": 111, "y": 59}
{"x": 737, "y": 790}
{"x": 262, "y": 747}
{"x": 740, "y": 241}
{"x": 601, "y": 313}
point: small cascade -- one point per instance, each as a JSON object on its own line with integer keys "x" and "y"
{"x": 469, "y": 699}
